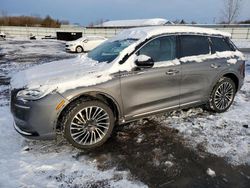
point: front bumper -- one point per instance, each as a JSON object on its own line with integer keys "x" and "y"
{"x": 36, "y": 119}
{"x": 24, "y": 133}
{"x": 70, "y": 48}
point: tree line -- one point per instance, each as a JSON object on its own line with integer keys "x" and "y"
{"x": 31, "y": 21}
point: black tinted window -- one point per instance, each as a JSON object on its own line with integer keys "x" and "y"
{"x": 192, "y": 45}
{"x": 160, "y": 49}
{"x": 220, "y": 45}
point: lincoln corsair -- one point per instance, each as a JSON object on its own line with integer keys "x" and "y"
{"x": 139, "y": 72}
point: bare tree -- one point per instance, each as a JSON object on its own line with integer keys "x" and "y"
{"x": 231, "y": 10}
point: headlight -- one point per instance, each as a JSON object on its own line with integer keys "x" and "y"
{"x": 30, "y": 94}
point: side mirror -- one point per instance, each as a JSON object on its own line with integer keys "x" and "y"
{"x": 144, "y": 61}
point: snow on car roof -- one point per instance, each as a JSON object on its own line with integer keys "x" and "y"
{"x": 147, "y": 32}
{"x": 136, "y": 22}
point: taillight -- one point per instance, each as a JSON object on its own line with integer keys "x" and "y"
{"x": 242, "y": 69}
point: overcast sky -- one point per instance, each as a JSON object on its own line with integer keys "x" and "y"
{"x": 86, "y": 11}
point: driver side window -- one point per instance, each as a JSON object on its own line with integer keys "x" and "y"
{"x": 160, "y": 49}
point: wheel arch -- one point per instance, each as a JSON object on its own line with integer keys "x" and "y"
{"x": 103, "y": 97}
{"x": 234, "y": 78}
{"x": 80, "y": 47}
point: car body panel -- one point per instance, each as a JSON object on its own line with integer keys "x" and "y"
{"x": 148, "y": 90}
{"x": 110, "y": 89}
{"x": 197, "y": 77}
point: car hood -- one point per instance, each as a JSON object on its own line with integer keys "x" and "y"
{"x": 62, "y": 75}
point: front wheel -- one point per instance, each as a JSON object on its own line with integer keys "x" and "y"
{"x": 89, "y": 124}
{"x": 222, "y": 95}
{"x": 79, "y": 49}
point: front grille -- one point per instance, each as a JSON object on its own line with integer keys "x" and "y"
{"x": 17, "y": 111}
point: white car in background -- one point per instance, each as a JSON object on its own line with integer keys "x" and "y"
{"x": 2, "y": 35}
{"x": 84, "y": 44}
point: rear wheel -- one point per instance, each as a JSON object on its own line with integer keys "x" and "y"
{"x": 89, "y": 124}
{"x": 79, "y": 49}
{"x": 222, "y": 95}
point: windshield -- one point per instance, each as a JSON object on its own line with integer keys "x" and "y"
{"x": 108, "y": 51}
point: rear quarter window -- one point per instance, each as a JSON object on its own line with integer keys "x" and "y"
{"x": 219, "y": 44}
{"x": 193, "y": 45}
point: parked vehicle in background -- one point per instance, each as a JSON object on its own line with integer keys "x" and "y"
{"x": 2, "y": 35}
{"x": 84, "y": 44}
{"x": 139, "y": 72}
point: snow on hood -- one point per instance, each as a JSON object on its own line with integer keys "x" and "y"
{"x": 62, "y": 75}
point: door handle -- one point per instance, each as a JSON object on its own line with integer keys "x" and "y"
{"x": 215, "y": 66}
{"x": 172, "y": 72}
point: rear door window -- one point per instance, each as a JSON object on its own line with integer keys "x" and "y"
{"x": 220, "y": 45}
{"x": 193, "y": 45}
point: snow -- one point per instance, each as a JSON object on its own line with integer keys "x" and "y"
{"x": 227, "y": 54}
{"x": 66, "y": 74}
{"x": 211, "y": 173}
{"x": 147, "y": 32}
{"x": 48, "y": 164}
{"x": 136, "y": 22}
{"x": 232, "y": 61}
{"x": 167, "y": 63}
{"x": 142, "y": 58}
{"x": 32, "y": 47}
{"x": 140, "y": 138}
{"x": 169, "y": 164}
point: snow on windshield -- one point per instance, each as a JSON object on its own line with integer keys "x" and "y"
{"x": 109, "y": 50}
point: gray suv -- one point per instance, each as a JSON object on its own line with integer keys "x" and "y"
{"x": 139, "y": 72}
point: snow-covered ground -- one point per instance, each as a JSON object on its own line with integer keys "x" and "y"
{"x": 25, "y": 163}
{"x": 226, "y": 135}
{"x": 49, "y": 164}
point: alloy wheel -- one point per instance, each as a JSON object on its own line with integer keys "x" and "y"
{"x": 224, "y": 96}
{"x": 89, "y": 125}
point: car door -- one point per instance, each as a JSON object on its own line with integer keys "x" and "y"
{"x": 198, "y": 67}
{"x": 150, "y": 90}
{"x": 92, "y": 43}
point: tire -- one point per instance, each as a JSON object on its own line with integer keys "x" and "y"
{"x": 222, "y": 95}
{"x": 88, "y": 124}
{"x": 79, "y": 49}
